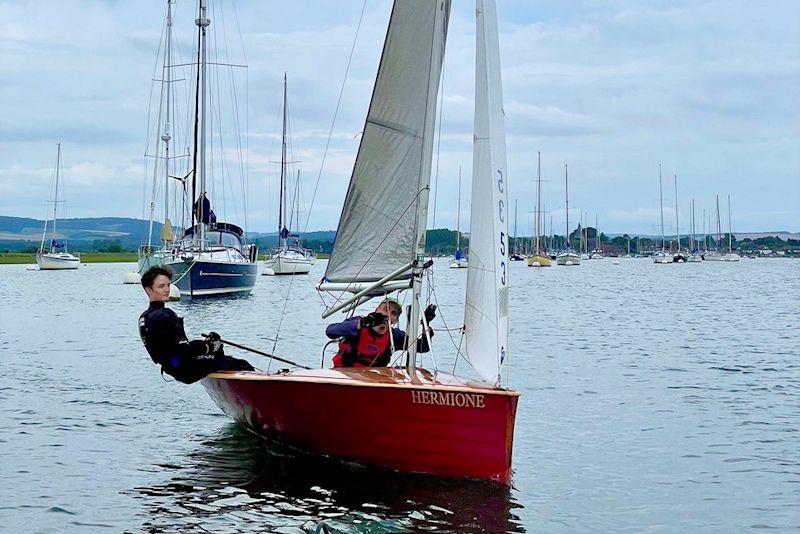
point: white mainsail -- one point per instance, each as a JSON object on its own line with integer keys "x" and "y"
{"x": 382, "y": 225}
{"x": 486, "y": 313}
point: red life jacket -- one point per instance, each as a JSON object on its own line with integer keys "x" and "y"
{"x": 367, "y": 351}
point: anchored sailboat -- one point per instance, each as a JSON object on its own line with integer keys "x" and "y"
{"x": 694, "y": 256}
{"x": 567, "y": 256}
{"x": 661, "y": 256}
{"x": 212, "y": 258}
{"x": 731, "y": 255}
{"x": 150, "y": 255}
{"x": 516, "y": 254}
{"x": 539, "y": 259}
{"x": 715, "y": 255}
{"x": 597, "y": 253}
{"x": 459, "y": 261}
{"x": 409, "y": 418}
{"x": 289, "y": 257}
{"x": 679, "y": 256}
{"x": 56, "y": 257}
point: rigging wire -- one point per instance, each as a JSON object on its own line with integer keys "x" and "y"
{"x": 149, "y": 121}
{"x": 335, "y": 114}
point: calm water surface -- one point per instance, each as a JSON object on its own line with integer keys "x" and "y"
{"x": 657, "y": 398}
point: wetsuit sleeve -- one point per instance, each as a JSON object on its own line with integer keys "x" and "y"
{"x": 347, "y": 328}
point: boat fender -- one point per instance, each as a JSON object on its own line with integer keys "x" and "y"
{"x": 253, "y": 256}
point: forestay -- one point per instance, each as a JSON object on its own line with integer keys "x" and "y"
{"x": 382, "y": 225}
{"x": 486, "y": 313}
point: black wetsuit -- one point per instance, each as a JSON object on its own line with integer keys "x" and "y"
{"x": 186, "y": 361}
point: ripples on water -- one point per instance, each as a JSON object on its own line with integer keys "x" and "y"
{"x": 654, "y": 398}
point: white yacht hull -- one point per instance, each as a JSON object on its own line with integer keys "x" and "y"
{"x": 56, "y": 261}
{"x": 287, "y": 264}
{"x": 662, "y": 257}
{"x": 731, "y": 257}
{"x": 568, "y": 258}
{"x": 459, "y": 264}
{"x": 713, "y": 256}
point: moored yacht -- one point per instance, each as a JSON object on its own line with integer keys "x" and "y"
{"x": 661, "y": 256}
{"x": 538, "y": 258}
{"x": 567, "y": 256}
{"x": 56, "y": 257}
{"x": 212, "y": 258}
{"x": 289, "y": 257}
{"x": 731, "y": 255}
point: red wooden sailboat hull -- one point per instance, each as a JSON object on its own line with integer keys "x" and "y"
{"x": 409, "y": 421}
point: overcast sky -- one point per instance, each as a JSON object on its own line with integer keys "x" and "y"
{"x": 710, "y": 89}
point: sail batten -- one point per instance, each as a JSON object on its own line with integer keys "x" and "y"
{"x": 486, "y": 310}
{"x": 382, "y": 225}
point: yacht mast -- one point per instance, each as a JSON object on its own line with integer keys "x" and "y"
{"x": 166, "y": 136}
{"x": 692, "y": 238}
{"x": 705, "y": 231}
{"x": 538, "y": 196}
{"x": 677, "y": 227}
{"x": 730, "y": 227}
{"x": 282, "y": 200}
{"x": 719, "y": 227}
{"x": 202, "y": 23}
{"x": 458, "y": 213}
{"x": 516, "y": 239}
{"x": 661, "y": 204}
{"x": 566, "y": 189}
{"x": 598, "y": 244}
{"x": 55, "y": 201}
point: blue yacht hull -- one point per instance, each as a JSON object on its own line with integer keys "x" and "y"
{"x": 204, "y": 279}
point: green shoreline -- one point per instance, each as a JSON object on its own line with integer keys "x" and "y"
{"x": 21, "y": 258}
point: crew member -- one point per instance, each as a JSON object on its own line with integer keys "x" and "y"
{"x": 366, "y": 342}
{"x": 164, "y": 338}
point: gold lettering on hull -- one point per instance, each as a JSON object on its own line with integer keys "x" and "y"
{"x": 451, "y": 398}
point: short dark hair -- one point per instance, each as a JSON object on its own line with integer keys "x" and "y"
{"x": 150, "y": 275}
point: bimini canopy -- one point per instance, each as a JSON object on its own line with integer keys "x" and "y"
{"x": 218, "y": 227}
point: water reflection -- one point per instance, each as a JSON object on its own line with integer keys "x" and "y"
{"x": 237, "y": 482}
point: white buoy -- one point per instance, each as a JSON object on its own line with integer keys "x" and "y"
{"x": 534, "y": 264}
{"x": 615, "y": 262}
{"x": 132, "y": 277}
{"x": 267, "y": 272}
{"x": 569, "y": 262}
{"x": 32, "y": 267}
{"x": 174, "y": 292}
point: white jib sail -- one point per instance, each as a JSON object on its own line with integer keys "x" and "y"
{"x": 382, "y": 226}
{"x": 486, "y": 313}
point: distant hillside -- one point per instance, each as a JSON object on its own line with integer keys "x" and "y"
{"x": 86, "y": 234}
{"x": 117, "y": 234}
{"x": 19, "y": 234}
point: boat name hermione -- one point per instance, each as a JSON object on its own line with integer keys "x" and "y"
{"x": 466, "y": 400}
